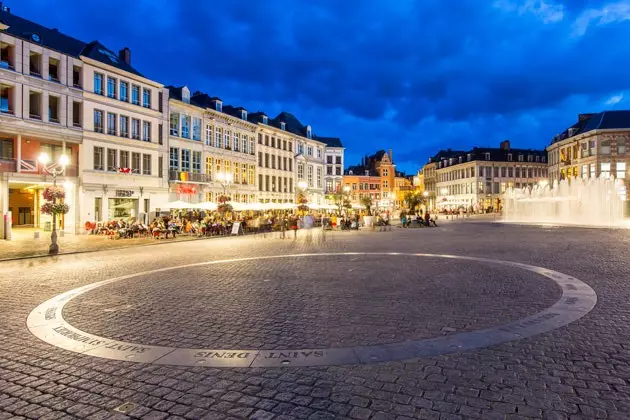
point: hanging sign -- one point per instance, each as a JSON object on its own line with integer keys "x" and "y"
{"x": 124, "y": 193}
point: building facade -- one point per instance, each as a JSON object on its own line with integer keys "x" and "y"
{"x": 275, "y": 154}
{"x": 374, "y": 177}
{"x": 596, "y": 145}
{"x": 333, "y": 155}
{"x": 476, "y": 179}
{"x": 123, "y": 151}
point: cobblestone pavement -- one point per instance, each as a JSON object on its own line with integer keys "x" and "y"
{"x": 578, "y": 371}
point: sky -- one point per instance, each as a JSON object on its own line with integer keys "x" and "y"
{"x": 413, "y": 76}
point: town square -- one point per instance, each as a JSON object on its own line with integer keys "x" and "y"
{"x": 314, "y": 210}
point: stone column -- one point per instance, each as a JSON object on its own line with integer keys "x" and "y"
{"x": 19, "y": 153}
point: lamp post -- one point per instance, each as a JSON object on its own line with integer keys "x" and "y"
{"x": 56, "y": 170}
{"x": 225, "y": 179}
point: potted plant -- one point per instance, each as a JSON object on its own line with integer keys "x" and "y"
{"x": 366, "y": 202}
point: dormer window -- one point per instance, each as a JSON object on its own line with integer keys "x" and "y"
{"x": 186, "y": 95}
{"x": 468, "y": 157}
{"x": 244, "y": 115}
{"x": 460, "y": 159}
{"x": 283, "y": 125}
{"x": 509, "y": 157}
{"x": 219, "y": 106}
{"x": 265, "y": 120}
{"x": 487, "y": 156}
{"x": 309, "y": 134}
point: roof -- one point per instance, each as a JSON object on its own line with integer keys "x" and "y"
{"x": 293, "y": 125}
{"x": 497, "y": 154}
{"x": 175, "y": 92}
{"x": 605, "y": 120}
{"x": 203, "y": 100}
{"x": 359, "y": 170}
{"x": 329, "y": 141}
{"x": 97, "y": 51}
{"x": 256, "y": 117}
{"x": 234, "y": 111}
{"x": 55, "y": 40}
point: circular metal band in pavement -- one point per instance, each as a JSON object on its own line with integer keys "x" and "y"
{"x": 46, "y": 323}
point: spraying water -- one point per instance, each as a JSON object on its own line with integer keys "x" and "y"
{"x": 590, "y": 202}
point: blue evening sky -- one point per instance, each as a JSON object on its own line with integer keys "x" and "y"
{"x": 414, "y": 76}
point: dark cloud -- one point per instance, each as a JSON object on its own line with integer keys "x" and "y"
{"x": 412, "y": 75}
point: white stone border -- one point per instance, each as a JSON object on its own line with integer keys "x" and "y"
{"x": 46, "y": 323}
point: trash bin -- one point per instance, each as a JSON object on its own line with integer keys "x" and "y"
{"x": 47, "y": 226}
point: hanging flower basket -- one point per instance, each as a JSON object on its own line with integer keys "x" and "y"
{"x": 58, "y": 208}
{"x": 224, "y": 208}
{"x": 53, "y": 193}
{"x": 302, "y": 207}
{"x": 222, "y": 199}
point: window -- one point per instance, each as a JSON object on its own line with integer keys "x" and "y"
{"x": 35, "y": 105}
{"x": 592, "y": 170}
{"x": 124, "y": 126}
{"x": 111, "y": 124}
{"x": 226, "y": 140}
{"x": 160, "y": 166}
{"x": 35, "y": 64}
{"x": 300, "y": 148}
{"x": 308, "y": 132}
{"x": 98, "y": 84}
{"x": 338, "y": 160}
{"x": 487, "y": 156}
{"x": 174, "y": 124}
{"x": 76, "y": 114}
{"x": 209, "y": 131}
{"x": 604, "y": 170}
{"x": 112, "y": 160}
{"x": 503, "y": 173}
{"x": 124, "y": 159}
{"x": 584, "y": 171}
{"x": 273, "y": 162}
{"x": 76, "y": 77}
{"x": 196, "y": 126}
{"x": 185, "y": 160}
{"x": 530, "y": 158}
{"x": 265, "y": 119}
{"x": 6, "y": 99}
{"x": 217, "y": 137}
{"x": 135, "y": 129}
{"x": 53, "y": 108}
{"x": 111, "y": 87}
{"x": 309, "y": 175}
{"x": 283, "y": 126}
{"x": 244, "y": 143}
{"x": 146, "y": 164}
{"x": 235, "y": 141}
{"x": 604, "y": 147}
{"x": 53, "y": 69}
{"x": 135, "y": 94}
{"x": 319, "y": 177}
{"x": 196, "y": 162}
{"x": 621, "y": 170}
{"x": 252, "y": 174}
{"x": 309, "y": 150}
{"x": 260, "y": 159}
{"x": 219, "y": 106}
{"x": 146, "y": 98}
{"x": 135, "y": 163}
{"x": 98, "y": 159}
{"x": 338, "y": 170}
{"x": 300, "y": 168}
{"x": 174, "y": 159}
{"x": 259, "y": 138}
{"x": 520, "y": 158}
{"x": 509, "y": 157}
{"x": 621, "y": 146}
{"x": 244, "y": 115}
{"x": 185, "y": 126}
{"x": 146, "y": 131}
{"x": 7, "y": 56}
{"x": 124, "y": 94}
{"x": 98, "y": 121}
{"x": 266, "y": 160}
{"x": 251, "y": 145}
{"x": 510, "y": 172}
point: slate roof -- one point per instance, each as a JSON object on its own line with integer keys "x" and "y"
{"x": 175, "y": 92}
{"x": 368, "y": 163}
{"x": 293, "y": 125}
{"x": 203, "y": 100}
{"x": 55, "y": 40}
{"x": 234, "y": 111}
{"x": 329, "y": 141}
{"x": 496, "y": 154}
{"x": 600, "y": 121}
{"x": 256, "y": 117}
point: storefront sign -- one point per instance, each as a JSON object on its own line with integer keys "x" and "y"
{"x": 124, "y": 193}
{"x": 186, "y": 189}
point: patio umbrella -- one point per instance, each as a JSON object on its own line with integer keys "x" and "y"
{"x": 179, "y": 205}
{"x": 208, "y": 205}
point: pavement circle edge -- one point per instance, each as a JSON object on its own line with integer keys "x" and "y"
{"x": 46, "y": 323}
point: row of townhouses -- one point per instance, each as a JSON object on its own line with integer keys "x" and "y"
{"x": 596, "y": 145}
{"x": 131, "y": 144}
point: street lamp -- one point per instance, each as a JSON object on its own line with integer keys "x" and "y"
{"x": 56, "y": 170}
{"x": 225, "y": 179}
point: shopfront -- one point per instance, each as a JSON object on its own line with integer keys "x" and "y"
{"x": 124, "y": 205}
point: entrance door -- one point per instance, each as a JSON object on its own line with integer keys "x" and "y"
{"x": 24, "y": 216}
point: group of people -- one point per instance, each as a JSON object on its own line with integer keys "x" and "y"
{"x": 422, "y": 219}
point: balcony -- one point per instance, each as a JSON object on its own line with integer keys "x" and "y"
{"x": 188, "y": 176}
{"x": 8, "y": 165}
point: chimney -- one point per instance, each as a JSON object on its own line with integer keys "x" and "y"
{"x": 505, "y": 145}
{"x": 125, "y": 55}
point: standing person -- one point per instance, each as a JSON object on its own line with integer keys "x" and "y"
{"x": 427, "y": 218}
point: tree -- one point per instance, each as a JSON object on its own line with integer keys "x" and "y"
{"x": 412, "y": 200}
{"x": 341, "y": 201}
{"x": 224, "y": 205}
{"x": 302, "y": 202}
{"x": 367, "y": 203}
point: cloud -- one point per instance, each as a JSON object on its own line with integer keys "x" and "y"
{"x": 615, "y": 99}
{"x": 610, "y": 13}
{"x": 547, "y": 12}
{"x": 415, "y": 76}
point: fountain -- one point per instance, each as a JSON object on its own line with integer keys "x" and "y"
{"x": 586, "y": 202}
